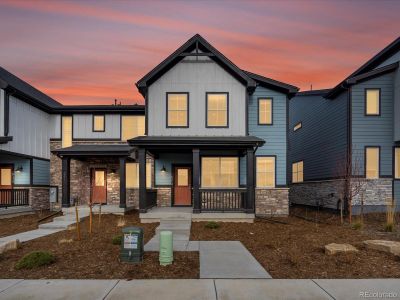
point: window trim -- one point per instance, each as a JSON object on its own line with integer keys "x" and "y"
{"x": 227, "y": 109}
{"x": 72, "y": 128}
{"x": 296, "y": 162}
{"x": 297, "y": 124}
{"x": 275, "y": 169}
{"x": 218, "y": 156}
{"x": 104, "y": 122}
{"x": 187, "y": 109}
{"x": 258, "y": 111}
{"x": 379, "y": 161}
{"x": 379, "y": 99}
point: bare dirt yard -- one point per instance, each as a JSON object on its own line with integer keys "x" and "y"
{"x": 10, "y": 226}
{"x": 95, "y": 256}
{"x": 294, "y": 247}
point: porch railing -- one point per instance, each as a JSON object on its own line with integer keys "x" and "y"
{"x": 151, "y": 198}
{"x": 222, "y": 199}
{"x": 14, "y": 197}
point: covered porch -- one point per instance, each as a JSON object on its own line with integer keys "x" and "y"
{"x": 183, "y": 172}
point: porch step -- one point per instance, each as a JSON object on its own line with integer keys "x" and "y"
{"x": 178, "y": 227}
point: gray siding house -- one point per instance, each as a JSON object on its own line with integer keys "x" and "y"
{"x": 344, "y": 142}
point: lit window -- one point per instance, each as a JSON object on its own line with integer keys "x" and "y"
{"x": 372, "y": 105}
{"x": 397, "y": 163}
{"x": 98, "y": 123}
{"x": 217, "y": 109}
{"x": 5, "y": 177}
{"x": 177, "y": 106}
{"x": 372, "y": 162}
{"x": 297, "y": 126}
{"x": 265, "y": 169}
{"x": 132, "y": 175}
{"x": 132, "y": 126}
{"x": 183, "y": 177}
{"x": 66, "y": 131}
{"x": 219, "y": 172}
{"x": 265, "y": 111}
{"x": 297, "y": 172}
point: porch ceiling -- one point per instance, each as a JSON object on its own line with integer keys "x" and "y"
{"x": 93, "y": 150}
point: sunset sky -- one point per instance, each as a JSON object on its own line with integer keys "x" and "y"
{"x": 91, "y": 52}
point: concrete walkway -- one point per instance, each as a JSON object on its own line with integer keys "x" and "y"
{"x": 218, "y": 289}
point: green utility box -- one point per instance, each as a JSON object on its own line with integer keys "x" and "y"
{"x": 132, "y": 245}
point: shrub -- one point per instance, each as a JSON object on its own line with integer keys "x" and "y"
{"x": 357, "y": 225}
{"x": 212, "y": 225}
{"x": 35, "y": 259}
{"x": 121, "y": 222}
{"x": 117, "y": 240}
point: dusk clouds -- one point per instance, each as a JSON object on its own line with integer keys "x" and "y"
{"x": 91, "y": 52}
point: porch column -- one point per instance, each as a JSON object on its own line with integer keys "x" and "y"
{"x": 122, "y": 182}
{"x": 196, "y": 181}
{"x": 65, "y": 170}
{"x": 249, "y": 205}
{"x": 142, "y": 179}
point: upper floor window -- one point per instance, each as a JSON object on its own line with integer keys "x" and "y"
{"x": 265, "y": 111}
{"x": 66, "y": 131}
{"x": 219, "y": 172}
{"x": 217, "y": 109}
{"x": 132, "y": 126}
{"x": 265, "y": 168}
{"x": 297, "y": 172}
{"x": 372, "y": 102}
{"x": 372, "y": 162}
{"x": 99, "y": 123}
{"x": 397, "y": 163}
{"x": 297, "y": 126}
{"x": 177, "y": 109}
{"x": 132, "y": 175}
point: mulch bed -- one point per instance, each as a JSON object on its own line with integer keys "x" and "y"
{"x": 296, "y": 249}
{"x": 96, "y": 257}
{"x": 14, "y": 225}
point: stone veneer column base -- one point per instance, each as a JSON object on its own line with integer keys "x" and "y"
{"x": 164, "y": 196}
{"x": 272, "y": 202}
{"x": 39, "y": 198}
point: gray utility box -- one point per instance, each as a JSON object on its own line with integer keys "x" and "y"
{"x": 132, "y": 245}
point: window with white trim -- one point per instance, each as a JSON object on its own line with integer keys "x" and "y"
{"x": 265, "y": 171}
{"x": 297, "y": 172}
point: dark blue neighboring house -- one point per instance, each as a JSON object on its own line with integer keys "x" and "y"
{"x": 345, "y": 142}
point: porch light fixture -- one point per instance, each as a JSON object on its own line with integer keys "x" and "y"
{"x": 163, "y": 169}
{"x": 19, "y": 169}
{"x": 113, "y": 171}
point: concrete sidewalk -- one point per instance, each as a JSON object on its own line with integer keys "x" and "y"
{"x": 202, "y": 289}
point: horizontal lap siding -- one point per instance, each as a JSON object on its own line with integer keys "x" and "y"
{"x": 166, "y": 160}
{"x": 274, "y": 135}
{"x": 373, "y": 130}
{"x": 41, "y": 172}
{"x": 22, "y": 177}
{"x": 322, "y": 141}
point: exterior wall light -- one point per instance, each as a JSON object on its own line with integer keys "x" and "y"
{"x": 19, "y": 169}
{"x": 163, "y": 169}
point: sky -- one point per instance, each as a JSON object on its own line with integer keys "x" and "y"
{"x": 92, "y": 52}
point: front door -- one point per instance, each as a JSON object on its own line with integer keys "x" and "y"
{"x": 99, "y": 186}
{"x": 5, "y": 184}
{"x": 183, "y": 186}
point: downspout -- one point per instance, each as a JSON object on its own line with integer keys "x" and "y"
{"x": 349, "y": 160}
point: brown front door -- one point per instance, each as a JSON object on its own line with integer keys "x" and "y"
{"x": 183, "y": 186}
{"x": 5, "y": 183}
{"x": 99, "y": 186}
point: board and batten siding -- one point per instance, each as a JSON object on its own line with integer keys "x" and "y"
{"x": 83, "y": 127}
{"x": 2, "y": 112}
{"x": 29, "y": 128}
{"x": 322, "y": 141}
{"x": 274, "y": 135}
{"x": 196, "y": 79}
{"x": 373, "y": 130}
{"x": 41, "y": 172}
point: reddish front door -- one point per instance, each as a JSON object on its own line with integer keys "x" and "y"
{"x": 99, "y": 186}
{"x": 5, "y": 183}
{"x": 183, "y": 186}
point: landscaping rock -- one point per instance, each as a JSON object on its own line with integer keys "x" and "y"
{"x": 333, "y": 248}
{"x": 9, "y": 245}
{"x": 385, "y": 246}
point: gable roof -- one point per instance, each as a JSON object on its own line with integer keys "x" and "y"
{"x": 375, "y": 61}
{"x": 35, "y": 97}
{"x": 321, "y": 92}
{"x": 197, "y": 42}
{"x": 272, "y": 83}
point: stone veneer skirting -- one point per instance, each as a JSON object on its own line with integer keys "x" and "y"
{"x": 272, "y": 202}
{"x": 328, "y": 193}
{"x": 164, "y": 196}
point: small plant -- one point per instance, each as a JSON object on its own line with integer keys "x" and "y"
{"x": 117, "y": 240}
{"x": 357, "y": 225}
{"x": 121, "y": 222}
{"x": 35, "y": 259}
{"x": 212, "y": 225}
{"x": 65, "y": 241}
{"x": 390, "y": 216}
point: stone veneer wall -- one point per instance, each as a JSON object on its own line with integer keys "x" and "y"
{"x": 272, "y": 202}
{"x": 164, "y": 196}
{"x": 39, "y": 197}
{"x": 132, "y": 198}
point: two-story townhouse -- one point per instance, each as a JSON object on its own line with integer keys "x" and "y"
{"x": 217, "y": 135}
{"x": 344, "y": 142}
{"x": 79, "y": 151}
